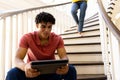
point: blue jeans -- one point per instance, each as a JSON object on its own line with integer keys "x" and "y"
{"x": 82, "y": 5}
{"x": 17, "y": 74}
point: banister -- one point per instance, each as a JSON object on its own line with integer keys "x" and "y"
{"x": 3, "y": 15}
{"x": 108, "y": 21}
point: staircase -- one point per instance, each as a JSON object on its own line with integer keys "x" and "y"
{"x": 85, "y": 52}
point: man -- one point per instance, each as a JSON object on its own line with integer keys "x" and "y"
{"x": 82, "y": 5}
{"x": 40, "y": 45}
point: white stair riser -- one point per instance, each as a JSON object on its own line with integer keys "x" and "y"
{"x": 83, "y": 57}
{"x": 82, "y": 40}
{"x": 84, "y": 29}
{"x": 83, "y": 48}
{"x": 90, "y": 33}
{"x": 91, "y": 69}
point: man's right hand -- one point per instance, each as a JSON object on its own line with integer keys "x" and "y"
{"x": 29, "y": 72}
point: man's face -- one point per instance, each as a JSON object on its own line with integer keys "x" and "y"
{"x": 44, "y": 29}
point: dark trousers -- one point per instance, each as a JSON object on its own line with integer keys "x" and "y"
{"x": 17, "y": 74}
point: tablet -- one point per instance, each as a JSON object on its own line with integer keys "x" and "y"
{"x": 48, "y": 66}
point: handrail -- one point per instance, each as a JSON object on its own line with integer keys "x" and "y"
{"x": 3, "y": 15}
{"x": 108, "y": 21}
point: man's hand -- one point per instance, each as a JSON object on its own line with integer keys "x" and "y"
{"x": 62, "y": 70}
{"x": 29, "y": 72}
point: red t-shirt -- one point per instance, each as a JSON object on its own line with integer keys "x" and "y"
{"x": 35, "y": 51}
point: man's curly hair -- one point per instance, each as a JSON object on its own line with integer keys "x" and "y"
{"x": 44, "y": 17}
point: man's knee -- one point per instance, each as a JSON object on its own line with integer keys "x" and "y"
{"x": 72, "y": 69}
{"x": 14, "y": 73}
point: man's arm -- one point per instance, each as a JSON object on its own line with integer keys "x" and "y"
{"x": 26, "y": 67}
{"x": 62, "y": 53}
{"x": 20, "y": 54}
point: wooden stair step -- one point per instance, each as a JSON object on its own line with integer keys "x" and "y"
{"x": 92, "y": 23}
{"x": 94, "y": 47}
{"x": 95, "y": 19}
{"x": 83, "y": 57}
{"x": 84, "y": 39}
{"x": 85, "y": 33}
{"x": 88, "y": 67}
{"x": 91, "y": 77}
{"x": 86, "y": 28}
{"x": 92, "y": 17}
{"x": 86, "y": 62}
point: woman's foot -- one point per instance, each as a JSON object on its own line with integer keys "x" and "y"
{"x": 80, "y": 33}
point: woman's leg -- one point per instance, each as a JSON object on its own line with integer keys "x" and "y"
{"x": 83, "y": 7}
{"x": 74, "y": 9}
